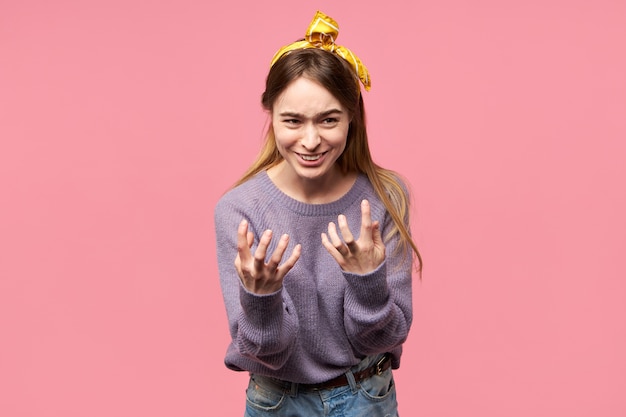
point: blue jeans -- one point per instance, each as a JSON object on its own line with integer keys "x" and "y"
{"x": 373, "y": 397}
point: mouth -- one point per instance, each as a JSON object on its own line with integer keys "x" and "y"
{"x": 311, "y": 158}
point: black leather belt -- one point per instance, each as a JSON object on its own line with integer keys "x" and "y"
{"x": 378, "y": 368}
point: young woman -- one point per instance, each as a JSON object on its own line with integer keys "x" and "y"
{"x": 314, "y": 250}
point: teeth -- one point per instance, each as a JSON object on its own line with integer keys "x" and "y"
{"x": 311, "y": 157}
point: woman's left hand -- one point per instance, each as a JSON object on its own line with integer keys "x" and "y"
{"x": 356, "y": 256}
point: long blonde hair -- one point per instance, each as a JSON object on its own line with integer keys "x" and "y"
{"x": 334, "y": 74}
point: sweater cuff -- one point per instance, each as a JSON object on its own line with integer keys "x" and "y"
{"x": 261, "y": 310}
{"x": 369, "y": 289}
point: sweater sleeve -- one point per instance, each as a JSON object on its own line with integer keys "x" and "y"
{"x": 378, "y": 305}
{"x": 263, "y": 327}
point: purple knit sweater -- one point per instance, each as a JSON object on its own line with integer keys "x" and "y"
{"x": 323, "y": 320}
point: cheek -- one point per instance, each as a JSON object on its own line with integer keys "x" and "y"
{"x": 284, "y": 137}
{"x": 341, "y": 141}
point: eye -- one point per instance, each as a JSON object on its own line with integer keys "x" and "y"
{"x": 330, "y": 120}
{"x": 291, "y": 121}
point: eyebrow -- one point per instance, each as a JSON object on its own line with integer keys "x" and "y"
{"x": 319, "y": 115}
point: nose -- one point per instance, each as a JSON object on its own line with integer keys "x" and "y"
{"x": 311, "y": 138}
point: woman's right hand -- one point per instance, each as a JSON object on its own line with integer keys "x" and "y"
{"x": 256, "y": 275}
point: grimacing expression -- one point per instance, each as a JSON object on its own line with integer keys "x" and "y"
{"x": 310, "y": 129}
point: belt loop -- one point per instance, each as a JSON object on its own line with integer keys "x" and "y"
{"x": 293, "y": 390}
{"x": 352, "y": 382}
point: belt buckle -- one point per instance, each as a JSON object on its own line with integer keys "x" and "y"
{"x": 379, "y": 364}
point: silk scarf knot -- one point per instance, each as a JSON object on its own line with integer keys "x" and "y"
{"x": 321, "y": 34}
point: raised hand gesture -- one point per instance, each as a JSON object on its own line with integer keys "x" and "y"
{"x": 356, "y": 256}
{"x": 257, "y": 276}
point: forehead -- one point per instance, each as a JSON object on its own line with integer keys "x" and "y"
{"x": 306, "y": 97}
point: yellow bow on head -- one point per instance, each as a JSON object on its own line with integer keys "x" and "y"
{"x": 321, "y": 34}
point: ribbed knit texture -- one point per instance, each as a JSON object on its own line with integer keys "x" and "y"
{"x": 323, "y": 320}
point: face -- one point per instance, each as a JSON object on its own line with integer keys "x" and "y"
{"x": 310, "y": 129}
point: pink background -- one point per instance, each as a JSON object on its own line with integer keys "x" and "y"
{"x": 122, "y": 122}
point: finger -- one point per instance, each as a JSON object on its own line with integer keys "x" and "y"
{"x": 378, "y": 240}
{"x": 291, "y": 261}
{"x": 278, "y": 253}
{"x": 243, "y": 248}
{"x": 331, "y": 249}
{"x": 261, "y": 250}
{"x": 335, "y": 240}
{"x": 366, "y": 222}
{"x": 250, "y": 239}
{"x": 346, "y": 233}
{"x": 377, "y": 237}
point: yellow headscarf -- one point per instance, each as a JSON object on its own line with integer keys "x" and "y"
{"x": 321, "y": 34}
